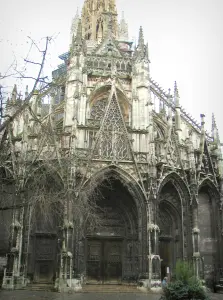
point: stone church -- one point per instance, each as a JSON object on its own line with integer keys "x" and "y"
{"x": 151, "y": 174}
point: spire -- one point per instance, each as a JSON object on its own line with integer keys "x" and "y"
{"x": 176, "y": 95}
{"x": 74, "y": 25}
{"x": 178, "y": 110}
{"x": 141, "y": 52}
{"x": 123, "y": 29}
{"x": 170, "y": 108}
{"x": 202, "y": 141}
{"x": 141, "y": 39}
{"x": 14, "y": 93}
{"x": 78, "y": 39}
{"x": 95, "y": 19}
{"x": 215, "y": 134}
{"x": 78, "y": 43}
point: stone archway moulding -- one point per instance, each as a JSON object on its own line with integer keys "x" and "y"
{"x": 128, "y": 181}
{"x": 184, "y": 196}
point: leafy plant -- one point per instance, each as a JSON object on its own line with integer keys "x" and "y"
{"x": 184, "y": 271}
{"x": 185, "y": 286}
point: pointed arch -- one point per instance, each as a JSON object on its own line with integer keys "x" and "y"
{"x": 102, "y": 93}
{"x": 209, "y": 224}
{"x": 126, "y": 179}
{"x": 180, "y": 185}
{"x": 210, "y": 187}
{"x": 174, "y": 199}
{"x": 125, "y": 200}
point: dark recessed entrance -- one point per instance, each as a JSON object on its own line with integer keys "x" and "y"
{"x": 45, "y": 252}
{"x": 104, "y": 260}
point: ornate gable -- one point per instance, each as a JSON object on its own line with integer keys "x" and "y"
{"x": 112, "y": 141}
{"x": 108, "y": 47}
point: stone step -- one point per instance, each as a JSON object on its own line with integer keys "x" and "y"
{"x": 109, "y": 288}
{"x": 219, "y": 286}
{"x": 40, "y": 287}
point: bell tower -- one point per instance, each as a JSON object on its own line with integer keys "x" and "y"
{"x": 95, "y": 19}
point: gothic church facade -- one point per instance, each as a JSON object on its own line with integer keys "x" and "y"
{"x": 163, "y": 197}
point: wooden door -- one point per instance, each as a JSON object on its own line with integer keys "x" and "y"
{"x": 45, "y": 250}
{"x": 112, "y": 260}
{"x": 104, "y": 260}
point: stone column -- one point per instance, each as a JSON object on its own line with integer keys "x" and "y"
{"x": 153, "y": 239}
{"x": 196, "y": 241}
{"x": 15, "y": 255}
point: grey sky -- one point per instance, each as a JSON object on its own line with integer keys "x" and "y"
{"x": 185, "y": 40}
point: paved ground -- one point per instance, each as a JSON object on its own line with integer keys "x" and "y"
{"x": 31, "y": 295}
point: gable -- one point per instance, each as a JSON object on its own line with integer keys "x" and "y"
{"x": 108, "y": 47}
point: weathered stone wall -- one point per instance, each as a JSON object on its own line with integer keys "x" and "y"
{"x": 5, "y": 222}
{"x": 207, "y": 240}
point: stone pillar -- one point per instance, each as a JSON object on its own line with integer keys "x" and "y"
{"x": 15, "y": 255}
{"x": 196, "y": 241}
{"x": 66, "y": 257}
{"x": 153, "y": 240}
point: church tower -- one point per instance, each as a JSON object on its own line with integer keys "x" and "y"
{"x": 95, "y": 17}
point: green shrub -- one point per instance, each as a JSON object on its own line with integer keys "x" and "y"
{"x": 185, "y": 286}
{"x": 178, "y": 290}
{"x": 183, "y": 271}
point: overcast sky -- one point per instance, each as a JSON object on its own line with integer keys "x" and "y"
{"x": 185, "y": 40}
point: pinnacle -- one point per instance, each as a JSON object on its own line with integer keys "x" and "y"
{"x": 176, "y": 92}
{"x": 141, "y": 37}
{"x": 213, "y": 120}
{"x": 77, "y": 13}
{"x": 78, "y": 38}
{"x": 14, "y": 89}
{"x": 176, "y": 95}
{"x": 14, "y": 93}
{"x": 215, "y": 134}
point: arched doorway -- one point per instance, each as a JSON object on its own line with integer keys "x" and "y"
{"x": 170, "y": 220}
{"x": 115, "y": 248}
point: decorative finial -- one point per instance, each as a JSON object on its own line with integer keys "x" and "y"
{"x": 176, "y": 95}
{"x": 215, "y": 134}
{"x": 123, "y": 29}
{"x": 14, "y": 93}
{"x": 141, "y": 38}
{"x": 176, "y": 92}
{"x": 74, "y": 25}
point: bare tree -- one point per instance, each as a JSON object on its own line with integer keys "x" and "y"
{"x": 18, "y": 107}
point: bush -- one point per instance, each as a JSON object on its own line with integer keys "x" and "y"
{"x": 184, "y": 271}
{"x": 178, "y": 290}
{"x": 185, "y": 286}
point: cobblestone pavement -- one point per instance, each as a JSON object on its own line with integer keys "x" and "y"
{"x": 32, "y": 295}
